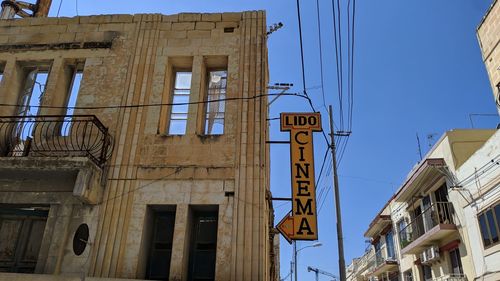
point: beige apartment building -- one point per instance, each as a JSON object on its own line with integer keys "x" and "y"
{"x": 443, "y": 223}
{"x": 422, "y": 233}
{"x": 134, "y": 146}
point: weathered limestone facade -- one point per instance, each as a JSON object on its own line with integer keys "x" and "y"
{"x": 488, "y": 33}
{"x": 129, "y": 61}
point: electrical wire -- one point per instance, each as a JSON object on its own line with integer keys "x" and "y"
{"x": 320, "y": 54}
{"x": 338, "y": 56}
{"x": 59, "y": 8}
{"x": 304, "y": 87}
{"x": 155, "y": 104}
{"x": 351, "y": 40}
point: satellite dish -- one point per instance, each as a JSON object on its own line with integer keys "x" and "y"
{"x": 81, "y": 239}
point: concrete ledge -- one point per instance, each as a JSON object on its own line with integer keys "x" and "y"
{"x": 47, "y": 277}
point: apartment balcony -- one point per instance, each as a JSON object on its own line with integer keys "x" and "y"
{"x": 55, "y": 136}
{"x": 382, "y": 263}
{"x": 428, "y": 228}
{"x": 451, "y": 277}
{"x": 54, "y": 154}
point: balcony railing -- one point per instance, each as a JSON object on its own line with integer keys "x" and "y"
{"x": 381, "y": 262}
{"x": 437, "y": 213}
{"x": 451, "y": 277}
{"x": 55, "y": 136}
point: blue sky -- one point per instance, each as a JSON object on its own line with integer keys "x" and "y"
{"x": 418, "y": 69}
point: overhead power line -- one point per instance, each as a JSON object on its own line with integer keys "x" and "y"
{"x": 155, "y": 104}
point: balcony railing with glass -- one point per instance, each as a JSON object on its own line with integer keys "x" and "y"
{"x": 381, "y": 262}
{"x": 439, "y": 213}
{"x": 55, "y": 136}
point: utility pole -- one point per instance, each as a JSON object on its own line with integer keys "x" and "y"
{"x": 295, "y": 260}
{"x": 340, "y": 237}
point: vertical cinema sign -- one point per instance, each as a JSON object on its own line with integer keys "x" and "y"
{"x": 301, "y": 127}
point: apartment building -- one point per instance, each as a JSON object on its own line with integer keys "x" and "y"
{"x": 444, "y": 220}
{"x": 134, "y": 146}
{"x": 422, "y": 232}
{"x": 382, "y": 263}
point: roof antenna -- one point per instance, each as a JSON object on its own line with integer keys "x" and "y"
{"x": 419, "y": 147}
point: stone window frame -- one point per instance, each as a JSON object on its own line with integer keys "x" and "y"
{"x": 211, "y": 64}
{"x": 173, "y": 65}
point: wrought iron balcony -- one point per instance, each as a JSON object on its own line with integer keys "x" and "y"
{"x": 431, "y": 225}
{"x": 55, "y": 136}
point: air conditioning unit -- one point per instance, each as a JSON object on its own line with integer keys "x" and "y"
{"x": 423, "y": 257}
{"x": 430, "y": 255}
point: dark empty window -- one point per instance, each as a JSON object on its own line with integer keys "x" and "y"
{"x": 21, "y": 233}
{"x": 408, "y": 275}
{"x": 203, "y": 246}
{"x": 426, "y": 272}
{"x": 456, "y": 263}
{"x": 489, "y": 224}
{"x": 161, "y": 246}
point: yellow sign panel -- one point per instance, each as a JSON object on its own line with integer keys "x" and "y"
{"x": 301, "y": 127}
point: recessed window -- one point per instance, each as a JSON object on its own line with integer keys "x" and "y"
{"x": 30, "y": 98}
{"x": 489, "y": 224}
{"x": 203, "y": 246}
{"x": 456, "y": 263}
{"x": 160, "y": 250}
{"x": 21, "y": 236}
{"x": 1, "y": 71}
{"x": 180, "y": 103}
{"x": 216, "y": 106}
{"x": 426, "y": 272}
{"x": 73, "y": 90}
{"x": 408, "y": 275}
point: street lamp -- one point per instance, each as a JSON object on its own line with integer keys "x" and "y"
{"x": 295, "y": 251}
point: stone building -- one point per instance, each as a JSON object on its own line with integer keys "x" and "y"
{"x": 134, "y": 146}
{"x": 488, "y": 33}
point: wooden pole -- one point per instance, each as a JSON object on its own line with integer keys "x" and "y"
{"x": 43, "y": 7}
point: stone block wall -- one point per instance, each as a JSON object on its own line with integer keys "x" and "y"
{"x": 488, "y": 33}
{"x": 128, "y": 66}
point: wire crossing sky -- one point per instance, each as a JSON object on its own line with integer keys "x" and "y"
{"x": 407, "y": 67}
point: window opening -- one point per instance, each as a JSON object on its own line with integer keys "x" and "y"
{"x": 180, "y": 98}
{"x": 216, "y": 106}
{"x": 203, "y": 247}
{"x": 489, "y": 224}
{"x": 427, "y": 272}
{"x": 161, "y": 246}
{"x": 1, "y": 72}
{"x": 30, "y": 100}
{"x": 403, "y": 237}
{"x": 389, "y": 240}
{"x": 73, "y": 91}
{"x": 408, "y": 275}
{"x": 456, "y": 263}
{"x": 21, "y": 232}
